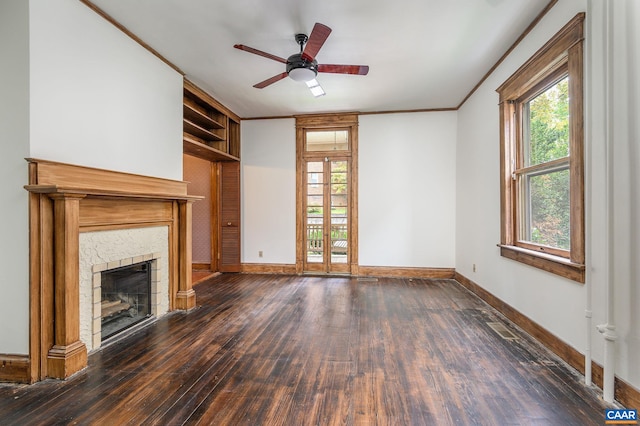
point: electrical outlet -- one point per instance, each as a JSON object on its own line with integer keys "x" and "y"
{"x": 260, "y": 255}
{"x": 474, "y": 267}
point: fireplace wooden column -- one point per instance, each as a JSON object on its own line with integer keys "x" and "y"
{"x": 68, "y": 354}
{"x": 66, "y": 200}
{"x": 186, "y": 296}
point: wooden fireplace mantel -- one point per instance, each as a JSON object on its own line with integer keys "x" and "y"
{"x": 65, "y": 200}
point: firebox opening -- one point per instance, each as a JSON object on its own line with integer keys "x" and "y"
{"x": 126, "y": 297}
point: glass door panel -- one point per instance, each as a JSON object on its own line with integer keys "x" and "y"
{"x": 315, "y": 215}
{"x": 327, "y": 216}
{"x": 339, "y": 240}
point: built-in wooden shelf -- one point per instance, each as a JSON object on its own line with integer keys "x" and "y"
{"x": 192, "y": 114}
{"x": 207, "y": 135}
{"x": 197, "y": 148}
{"x": 211, "y": 131}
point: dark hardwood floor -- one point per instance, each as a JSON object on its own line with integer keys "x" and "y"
{"x": 284, "y": 350}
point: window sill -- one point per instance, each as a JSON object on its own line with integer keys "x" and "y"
{"x": 547, "y": 262}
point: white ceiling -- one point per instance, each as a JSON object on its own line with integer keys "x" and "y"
{"x": 422, "y": 53}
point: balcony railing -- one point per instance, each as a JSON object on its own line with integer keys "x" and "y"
{"x": 315, "y": 238}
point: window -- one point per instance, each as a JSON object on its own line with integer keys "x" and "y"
{"x": 327, "y": 140}
{"x": 542, "y": 160}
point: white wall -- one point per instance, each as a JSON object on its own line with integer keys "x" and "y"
{"x": 14, "y": 147}
{"x": 625, "y": 143}
{"x": 559, "y": 304}
{"x": 555, "y": 303}
{"x": 76, "y": 90}
{"x": 268, "y": 182}
{"x": 406, "y": 200}
{"x": 98, "y": 98}
{"x": 406, "y": 190}
{"x": 629, "y": 105}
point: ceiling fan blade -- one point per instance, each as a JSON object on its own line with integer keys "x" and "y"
{"x": 271, "y": 80}
{"x": 260, "y": 52}
{"x": 317, "y": 38}
{"x": 344, "y": 69}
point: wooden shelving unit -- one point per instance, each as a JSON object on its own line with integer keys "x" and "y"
{"x": 210, "y": 130}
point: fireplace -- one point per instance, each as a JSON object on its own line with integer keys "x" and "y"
{"x": 107, "y": 256}
{"x": 123, "y": 293}
{"x": 125, "y": 298}
{"x": 83, "y": 221}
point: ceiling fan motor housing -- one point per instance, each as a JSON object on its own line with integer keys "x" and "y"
{"x": 300, "y": 69}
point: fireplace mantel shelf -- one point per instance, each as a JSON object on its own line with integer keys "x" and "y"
{"x": 82, "y": 191}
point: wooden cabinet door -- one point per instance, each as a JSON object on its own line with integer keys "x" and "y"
{"x": 229, "y": 224}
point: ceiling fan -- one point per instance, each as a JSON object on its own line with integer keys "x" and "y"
{"x": 303, "y": 66}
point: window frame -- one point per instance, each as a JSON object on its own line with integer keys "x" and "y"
{"x": 521, "y": 170}
{"x": 559, "y": 57}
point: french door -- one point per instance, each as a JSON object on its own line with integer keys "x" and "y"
{"x": 326, "y": 210}
{"x": 327, "y": 194}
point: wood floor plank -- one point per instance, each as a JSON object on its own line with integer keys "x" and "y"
{"x": 289, "y": 350}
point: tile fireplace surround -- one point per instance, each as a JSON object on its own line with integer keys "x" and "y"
{"x": 66, "y": 201}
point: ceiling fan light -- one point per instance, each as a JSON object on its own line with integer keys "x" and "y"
{"x": 316, "y": 89}
{"x": 302, "y": 74}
